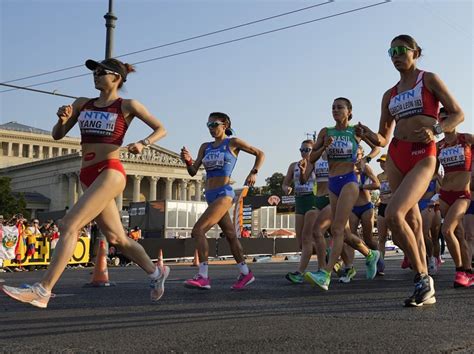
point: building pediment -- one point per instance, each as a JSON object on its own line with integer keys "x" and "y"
{"x": 155, "y": 155}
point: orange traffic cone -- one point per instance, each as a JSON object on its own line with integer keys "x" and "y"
{"x": 159, "y": 261}
{"x": 100, "y": 276}
{"x": 196, "y": 258}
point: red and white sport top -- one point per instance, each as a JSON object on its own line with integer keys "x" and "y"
{"x": 416, "y": 101}
{"x": 457, "y": 157}
{"x": 102, "y": 125}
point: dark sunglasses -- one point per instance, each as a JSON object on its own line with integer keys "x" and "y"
{"x": 214, "y": 124}
{"x": 305, "y": 149}
{"x": 398, "y": 50}
{"x": 103, "y": 72}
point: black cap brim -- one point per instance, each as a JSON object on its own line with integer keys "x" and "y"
{"x": 92, "y": 64}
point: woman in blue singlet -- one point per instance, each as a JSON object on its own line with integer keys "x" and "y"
{"x": 341, "y": 143}
{"x": 219, "y": 158}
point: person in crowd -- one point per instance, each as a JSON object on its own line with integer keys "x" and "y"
{"x": 411, "y": 106}
{"x": 454, "y": 154}
{"x": 103, "y": 122}
{"x": 384, "y": 199}
{"x": 341, "y": 143}
{"x": 219, "y": 157}
{"x": 304, "y": 175}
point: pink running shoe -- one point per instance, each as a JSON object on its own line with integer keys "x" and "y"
{"x": 198, "y": 282}
{"x": 463, "y": 280}
{"x": 405, "y": 263}
{"x": 29, "y": 294}
{"x": 243, "y": 281}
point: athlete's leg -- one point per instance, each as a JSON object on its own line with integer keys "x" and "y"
{"x": 427, "y": 219}
{"x": 104, "y": 189}
{"x": 321, "y": 225}
{"x": 299, "y": 223}
{"x": 367, "y": 221}
{"x": 213, "y": 214}
{"x": 307, "y": 239}
{"x": 228, "y": 229}
{"x": 382, "y": 230}
{"x": 469, "y": 233}
{"x": 406, "y": 192}
{"x": 111, "y": 226}
{"x": 341, "y": 208}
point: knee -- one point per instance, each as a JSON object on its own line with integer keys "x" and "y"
{"x": 117, "y": 240}
{"x": 447, "y": 231}
{"x": 393, "y": 219}
{"x": 337, "y": 230}
{"x": 67, "y": 228}
{"x": 198, "y": 232}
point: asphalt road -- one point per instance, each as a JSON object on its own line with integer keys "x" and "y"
{"x": 272, "y": 315}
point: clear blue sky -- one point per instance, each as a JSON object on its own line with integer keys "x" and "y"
{"x": 275, "y": 88}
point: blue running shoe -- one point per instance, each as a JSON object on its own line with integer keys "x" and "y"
{"x": 371, "y": 263}
{"x": 321, "y": 278}
{"x": 381, "y": 267}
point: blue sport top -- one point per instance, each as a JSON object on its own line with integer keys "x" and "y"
{"x": 219, "y": 161}
{"x": 431, "y": 186}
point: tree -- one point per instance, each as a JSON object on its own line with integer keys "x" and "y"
{"x": 9, "y": 205}
{"x": 274, "y": 184}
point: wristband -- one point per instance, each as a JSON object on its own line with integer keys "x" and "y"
{"x": 188, "y": 162}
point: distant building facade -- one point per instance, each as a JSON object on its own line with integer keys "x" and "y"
{"x": 47, "y": 171}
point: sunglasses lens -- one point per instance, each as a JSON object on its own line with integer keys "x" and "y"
{"x": 397, "y": 51}
{"x": 305, "y": 150}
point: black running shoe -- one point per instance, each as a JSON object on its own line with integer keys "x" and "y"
{"x": 424, "y": 292}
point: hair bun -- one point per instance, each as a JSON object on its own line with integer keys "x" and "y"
{"x": 130, "y": 68}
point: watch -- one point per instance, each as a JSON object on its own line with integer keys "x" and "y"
{"x": 437, "y": 129}
{"x": 254, "y": 171}
{"x": 145, "y": 142}
{"x": 368, "y": 159}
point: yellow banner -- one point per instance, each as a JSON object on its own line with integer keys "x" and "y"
{"x": 42, "y": 255}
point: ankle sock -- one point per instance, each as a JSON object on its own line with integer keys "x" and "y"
{"x": 243, "y": 268}
{"x": 203, "y": 269}
{"x": 155, "y": 274}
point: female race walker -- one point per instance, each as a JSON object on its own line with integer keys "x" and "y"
{"x": 384, "y": 198}
{"x": 304, "y": 175}
{"x": 454, "y": 154}
{"x": 413, "y": 105}
{"x": 341, "y": 143}
{"x": 219, "y": 158}
{"x": 103, "y": 122}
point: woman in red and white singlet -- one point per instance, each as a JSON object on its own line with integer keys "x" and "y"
{"x": 103, "y": 122}
{"x": 410, "y": 110}
{"x": 454, "y": 154}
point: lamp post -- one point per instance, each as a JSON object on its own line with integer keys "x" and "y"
{"x": 110, "y": 19}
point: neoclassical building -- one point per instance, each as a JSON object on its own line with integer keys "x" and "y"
{"x": 47, "y": 170}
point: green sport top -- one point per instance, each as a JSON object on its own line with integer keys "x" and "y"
{"x": 344, "y": 147}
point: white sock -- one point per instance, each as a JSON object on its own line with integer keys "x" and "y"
{"x": 155, "y": 274}
{"x": 243, "y": 268}
{"x": 203, "y": 269}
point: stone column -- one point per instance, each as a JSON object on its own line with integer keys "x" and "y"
{"x": 136, "y": 187}
{"x": 80, "y": 191}
{"x": 30, "y": 151}
{"x": 9, "y": 149}
{"x": 198, "y": 187}
{"x": 153, "y": 180}
{"x": 71, "y": 178}
{"x": 119, "y": 201}
{"x": 169, "y": 188}
{"x": 20, "y": 150}
{"x": 183, "y": 184}
{"x": 40, "y": 151}
{"x": 50, "y": 151}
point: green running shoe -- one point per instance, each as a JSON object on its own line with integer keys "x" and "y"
{"x": 349, "y": 274}
{"x": 371, "y": 263}
{"x": 295, "y": 278}
{"x": 320, "y": 278}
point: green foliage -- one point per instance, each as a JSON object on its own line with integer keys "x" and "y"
{"x": 274, "y": 184}
{"x": 9, "y": 204}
